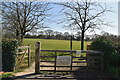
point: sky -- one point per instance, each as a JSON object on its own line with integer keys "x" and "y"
{"x": 56, "y": 16}
{"x": 56, "y": 0}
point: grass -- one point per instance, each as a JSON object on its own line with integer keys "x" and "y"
{"x": 6, "y": 75}
{"x": 51, "y": 44}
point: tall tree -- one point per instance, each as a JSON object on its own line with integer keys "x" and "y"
{"x": 78, "y": 35}
{"x": 84, "y": 16}
{"x": 41, "y": 33}
{"x": 49, "y": 32}
{"x": 66, "y": 35}
{"x": 22, "y": 17}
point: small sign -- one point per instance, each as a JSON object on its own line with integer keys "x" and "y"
{"x": 63, "y": 60}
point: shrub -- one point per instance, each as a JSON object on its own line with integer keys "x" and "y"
{"x": 111, "y": 53}
{"x": 104, "y": 46}
{"x": 9, "y": 48}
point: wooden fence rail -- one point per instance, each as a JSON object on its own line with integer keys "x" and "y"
{"x": 89, "y": 59}
{"x": 22, "y": 52}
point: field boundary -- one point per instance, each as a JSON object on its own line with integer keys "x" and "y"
{"x": 90, "y": 60}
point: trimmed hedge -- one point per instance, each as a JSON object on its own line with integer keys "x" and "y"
{"x": 9, "y": 48}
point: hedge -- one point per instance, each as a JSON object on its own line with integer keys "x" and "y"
{"x": 9, "y": 48}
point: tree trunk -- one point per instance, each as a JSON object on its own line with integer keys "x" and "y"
{"x": 71, "y": 42}
{"x": 21, "y": 38}
{"x": 17, "y": 35}
{"x": 82, "y": 41}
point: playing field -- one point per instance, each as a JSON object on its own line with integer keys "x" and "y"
{"x": 54, "y": 44}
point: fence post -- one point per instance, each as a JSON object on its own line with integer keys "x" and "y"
{"x": 55, "y": 62}
{"x": 37, "y": 55}
{"x": 28, "y": 55}
{"x": 88, "y": 63}
{"x": 87, "y": 55}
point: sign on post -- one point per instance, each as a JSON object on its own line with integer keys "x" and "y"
{"x": 63, "y": 60}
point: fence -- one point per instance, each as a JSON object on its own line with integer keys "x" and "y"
{"x": 22, "y": 53}
{"x": 70, "y": 59}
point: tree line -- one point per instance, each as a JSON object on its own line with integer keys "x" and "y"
{"x": 51, "y": 34}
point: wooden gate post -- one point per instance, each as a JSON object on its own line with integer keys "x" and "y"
{"x": 37, "y": 56}
{"x": 87, "y": 55}
{"x": 28, "y": 55}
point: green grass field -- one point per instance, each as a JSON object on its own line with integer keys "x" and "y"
{"x": 54, "y": 44}
{"x": 49, "y": 44}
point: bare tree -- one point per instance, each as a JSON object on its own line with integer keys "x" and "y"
{"x": 22, "y": 17}
{"x": 84, "y": 16}
{"x": 41, "y": 33}
{"x": 78, "y": 35}
{"x": 66, "y": 34}
{"x": 49, "y": 32}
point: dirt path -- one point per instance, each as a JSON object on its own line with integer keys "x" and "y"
{"x": 30, "y": 73}
{"x": 30, "y": 70}
{"x": 79, "y": 74}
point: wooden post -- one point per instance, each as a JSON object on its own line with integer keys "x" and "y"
{"x": 71, "y": 54}
{"x": 28, "y": 55}
{"x": 87, "y": 55}
{"x": 55, "y": 62}
{"x": 37, "y": 56}
{"x": 88, "y": 47}
{"x": 71, "y": 61}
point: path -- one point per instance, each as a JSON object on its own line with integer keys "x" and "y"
{"x": 80, "y": 74}
{"x": 30, "y": 74}
{"x": 30, "y": 70}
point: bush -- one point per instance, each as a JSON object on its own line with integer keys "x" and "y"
{"x": 111, "y": 53}
{"x": 9, "y": 48}
{"x": 105, "y": 46}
